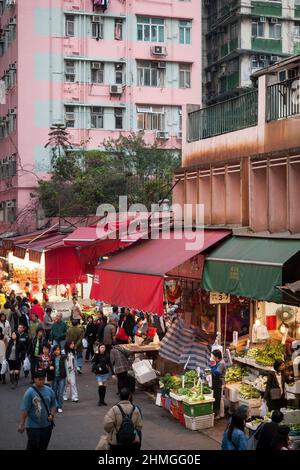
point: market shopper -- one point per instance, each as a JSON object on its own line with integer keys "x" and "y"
{"x": 75, "y": 333}
{"x": 46, "y": 364}
{"x": 109, "y": 334}
{"x": 34, "y": 325}
{"x": 14, "y": 354}
{"x": 35, "y": 349}
{"x": 3, "y": 344}
{"x": 47, "y": 322}
{"x": 71, "y": 387}
{"x": 90, "y": 335}
{"x": 60, "y": 376}
{"x": 120, "y": 363}
{"x": 282, "y": 440}
{"x": 113, "y": 424}
{"x": 101, "y": 367}
{"x": 234, "y": 437}
{"x": 275, "y": 387}
{"x": 100, "y": 331}
{"x": 58, "y": 331}
{"x": 267, "y": 434}
{"x": 37, "y": 414}
{"x": 24, "y": 338}
{"x": 218, "y": 380}
{"x": 5, "y": 325}
{"x": 37, "y": 309}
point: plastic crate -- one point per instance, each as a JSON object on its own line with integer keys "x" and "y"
{"x": 201, "y": 422}
{"x": 174, "y": 412}
{"x": 168, "y": 403}
{"x": 198, "y": 409}
{"x": 163, "y": 401}
{"x": 181, "y": 419}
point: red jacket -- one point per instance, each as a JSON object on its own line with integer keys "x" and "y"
{"x": 38, "y": 310}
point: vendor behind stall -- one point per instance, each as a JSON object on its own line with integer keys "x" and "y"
{"x": 275, "y": 388}
{"x": 218, "y": 380}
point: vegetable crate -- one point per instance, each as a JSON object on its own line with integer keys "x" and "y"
{"x": 198, "y": 409}
{"x": 254, "y": 405}
{"x": 163, "y": 401}
{"x": 200, "y": 422}
{"x": 168, "y": 403}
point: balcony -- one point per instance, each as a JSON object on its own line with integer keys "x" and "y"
{"x": 283, "y": 99}
{"x": 234, "y": 114}
{"x": 266, "y": 8}
{"x": 229, "y": 47}
{"x": 271, "y": 46}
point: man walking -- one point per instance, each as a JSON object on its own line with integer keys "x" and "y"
{"x": 123, "y": 423}
{"x": 121, "y": 366}
{"x": 58, "y": 332}
{"x": 75, "y": 334}
{"x": 37, "y": 412}
{"x": 109, "y": 334}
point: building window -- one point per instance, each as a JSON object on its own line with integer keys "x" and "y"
{"x": 184, "y": 76}
{"x": 150, "y": 74}
{"x": 233, "y": 31}
{"x": 258, "y": 29}
{"x": 150, "y": 29}
{"x": 118, "y": 118}
{"x": 11, "y": 213}
{"x": 185, "y": 32}
{"x": 70, "y": 71}
{"x": 97, "y": 72}
{"x": 70, "y": 116}
{"x": 98, "y": 28}
{"x": 97, "y": 117}
{"x": 257, "y": 63}
{"x": 8, "y": 167}
{"x": 118, "y": 33}
{"x": 151, "y": 118}
{"x": 275, "y": 31}
{"x": 297, "y": 29}
{"x": 119, "y": 74}
{"x": 70, "y": 25}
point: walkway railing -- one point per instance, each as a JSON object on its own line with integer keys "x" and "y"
{"x": 283, "y": 99}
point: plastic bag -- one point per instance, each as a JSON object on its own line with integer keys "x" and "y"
{"x": 263, "y": 409}
{"x": 26, "y": 364}
{"x": 103, "y": 443}
{"x": 84, "y": 343}
{"x": 4, "y": 367}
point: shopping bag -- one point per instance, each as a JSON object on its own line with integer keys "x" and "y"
{"x": 103, "y": 443}
{"x": 121, "y": 334}
{"x": 85, "y": 343}
{"x": 26, "y": 364}
{"x": 4, "y": 367}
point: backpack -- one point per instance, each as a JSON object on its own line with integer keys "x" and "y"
{"x": 126, "y": 433}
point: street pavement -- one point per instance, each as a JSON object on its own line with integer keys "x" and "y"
{"x": 81, "y": 424}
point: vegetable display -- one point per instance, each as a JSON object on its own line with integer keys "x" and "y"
{"x": 265, "y": 356}
{"x": 234, "y": 374}
{"x": 248, "y": 392}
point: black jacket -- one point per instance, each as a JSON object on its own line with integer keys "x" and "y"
{"x": 100, "y": 331}
{"x": 32, "y": 344}
{"x": 91, "y": 332}
{"x": 19, "y": 350}
{"x": 128, "y": 325}
{"x": 101, "y": 364}
{"x": 24, "y": 338}
{"x": 62, "y": 366}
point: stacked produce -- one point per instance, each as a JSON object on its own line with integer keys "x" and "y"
{"x": 191, "y": 388}
{"x": 234, "y": 374}
{"x": 248, "y": 392}
{"x": 265, "y": 356}
{"x": 260, "y": 383}
{"x": 295, "y": 429}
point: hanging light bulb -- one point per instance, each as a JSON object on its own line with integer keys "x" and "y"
{"x": 257, "y": 322}
{"x": 282, "y": 328}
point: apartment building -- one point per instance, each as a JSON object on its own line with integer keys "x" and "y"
{"x": 242, "y": 36}
{"x": 100, "y": 67}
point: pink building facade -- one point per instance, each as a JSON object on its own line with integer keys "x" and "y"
{"x": 101, "y": 68}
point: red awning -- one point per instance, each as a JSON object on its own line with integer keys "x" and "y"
{"x": 9, "y": 243}
{"x": 135, "y": 277}
{"x": 37, "y": 247}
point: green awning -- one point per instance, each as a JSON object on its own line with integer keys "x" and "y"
{"x": 249, "y": 267}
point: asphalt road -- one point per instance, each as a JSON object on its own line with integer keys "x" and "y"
{"x": 81, "y": 424}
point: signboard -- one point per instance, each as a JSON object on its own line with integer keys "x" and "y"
{"x": 235, "y": 337}
{"x": 219, "y": 298}
{"x": 63, "y": 307}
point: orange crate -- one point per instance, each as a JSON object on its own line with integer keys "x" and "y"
{"x": 174, "y": 412}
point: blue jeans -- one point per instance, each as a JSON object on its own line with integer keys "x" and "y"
{"x": 58, "y": 386}
{"x": 79, "y": 359}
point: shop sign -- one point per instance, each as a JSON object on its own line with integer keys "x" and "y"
{"x": 219, "y": 298}
{"x": 63, "y": 307}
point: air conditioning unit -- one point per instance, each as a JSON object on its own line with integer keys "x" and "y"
{"x": 12, "y": 158}
{"x": 158, "y": 50}
{"x": 96, "y": 65}
{"x": 96, "y": 19}
{"x": 116, "y": 90}
{"x": 13, "y": 66}
{"x": 70, "y": 116}
{"x": 12, "y": 21}
{"x": 262, "y": 19}
{"x": 179, "y": 135}
{"x": 274, "y": 20}
{"x": 10, "y": 3}
{"x": 10, "y": 204}
{"x": 12, "y": 111}
{"x": 274, "y": 58}
{"x": 262, "y": 57}
{"x": 161, "y": 65}
{"x": 163, "y": 135}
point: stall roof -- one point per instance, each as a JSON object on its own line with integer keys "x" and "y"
{"x": 135, "y": 277}
{"x": 249, "y": 267}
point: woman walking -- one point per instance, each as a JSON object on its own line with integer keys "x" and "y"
{"x": 234, "y": 437}
{"x": 46, "y": 364}
{"x": 71, "y": 388}
{"x": 60, "y": 375}
{"x": 3, "y": 344}
{"x": 90, "y": 335}
{"x": 101, "y": 367}
{"x": 13, "y": 356}
{"x": 35, "y": 350}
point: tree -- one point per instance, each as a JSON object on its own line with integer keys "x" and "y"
{"x": 58, "y": 140}
{"x": 80, "y": 181}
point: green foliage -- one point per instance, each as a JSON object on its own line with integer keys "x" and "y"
{"x": 80, "y": 181}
